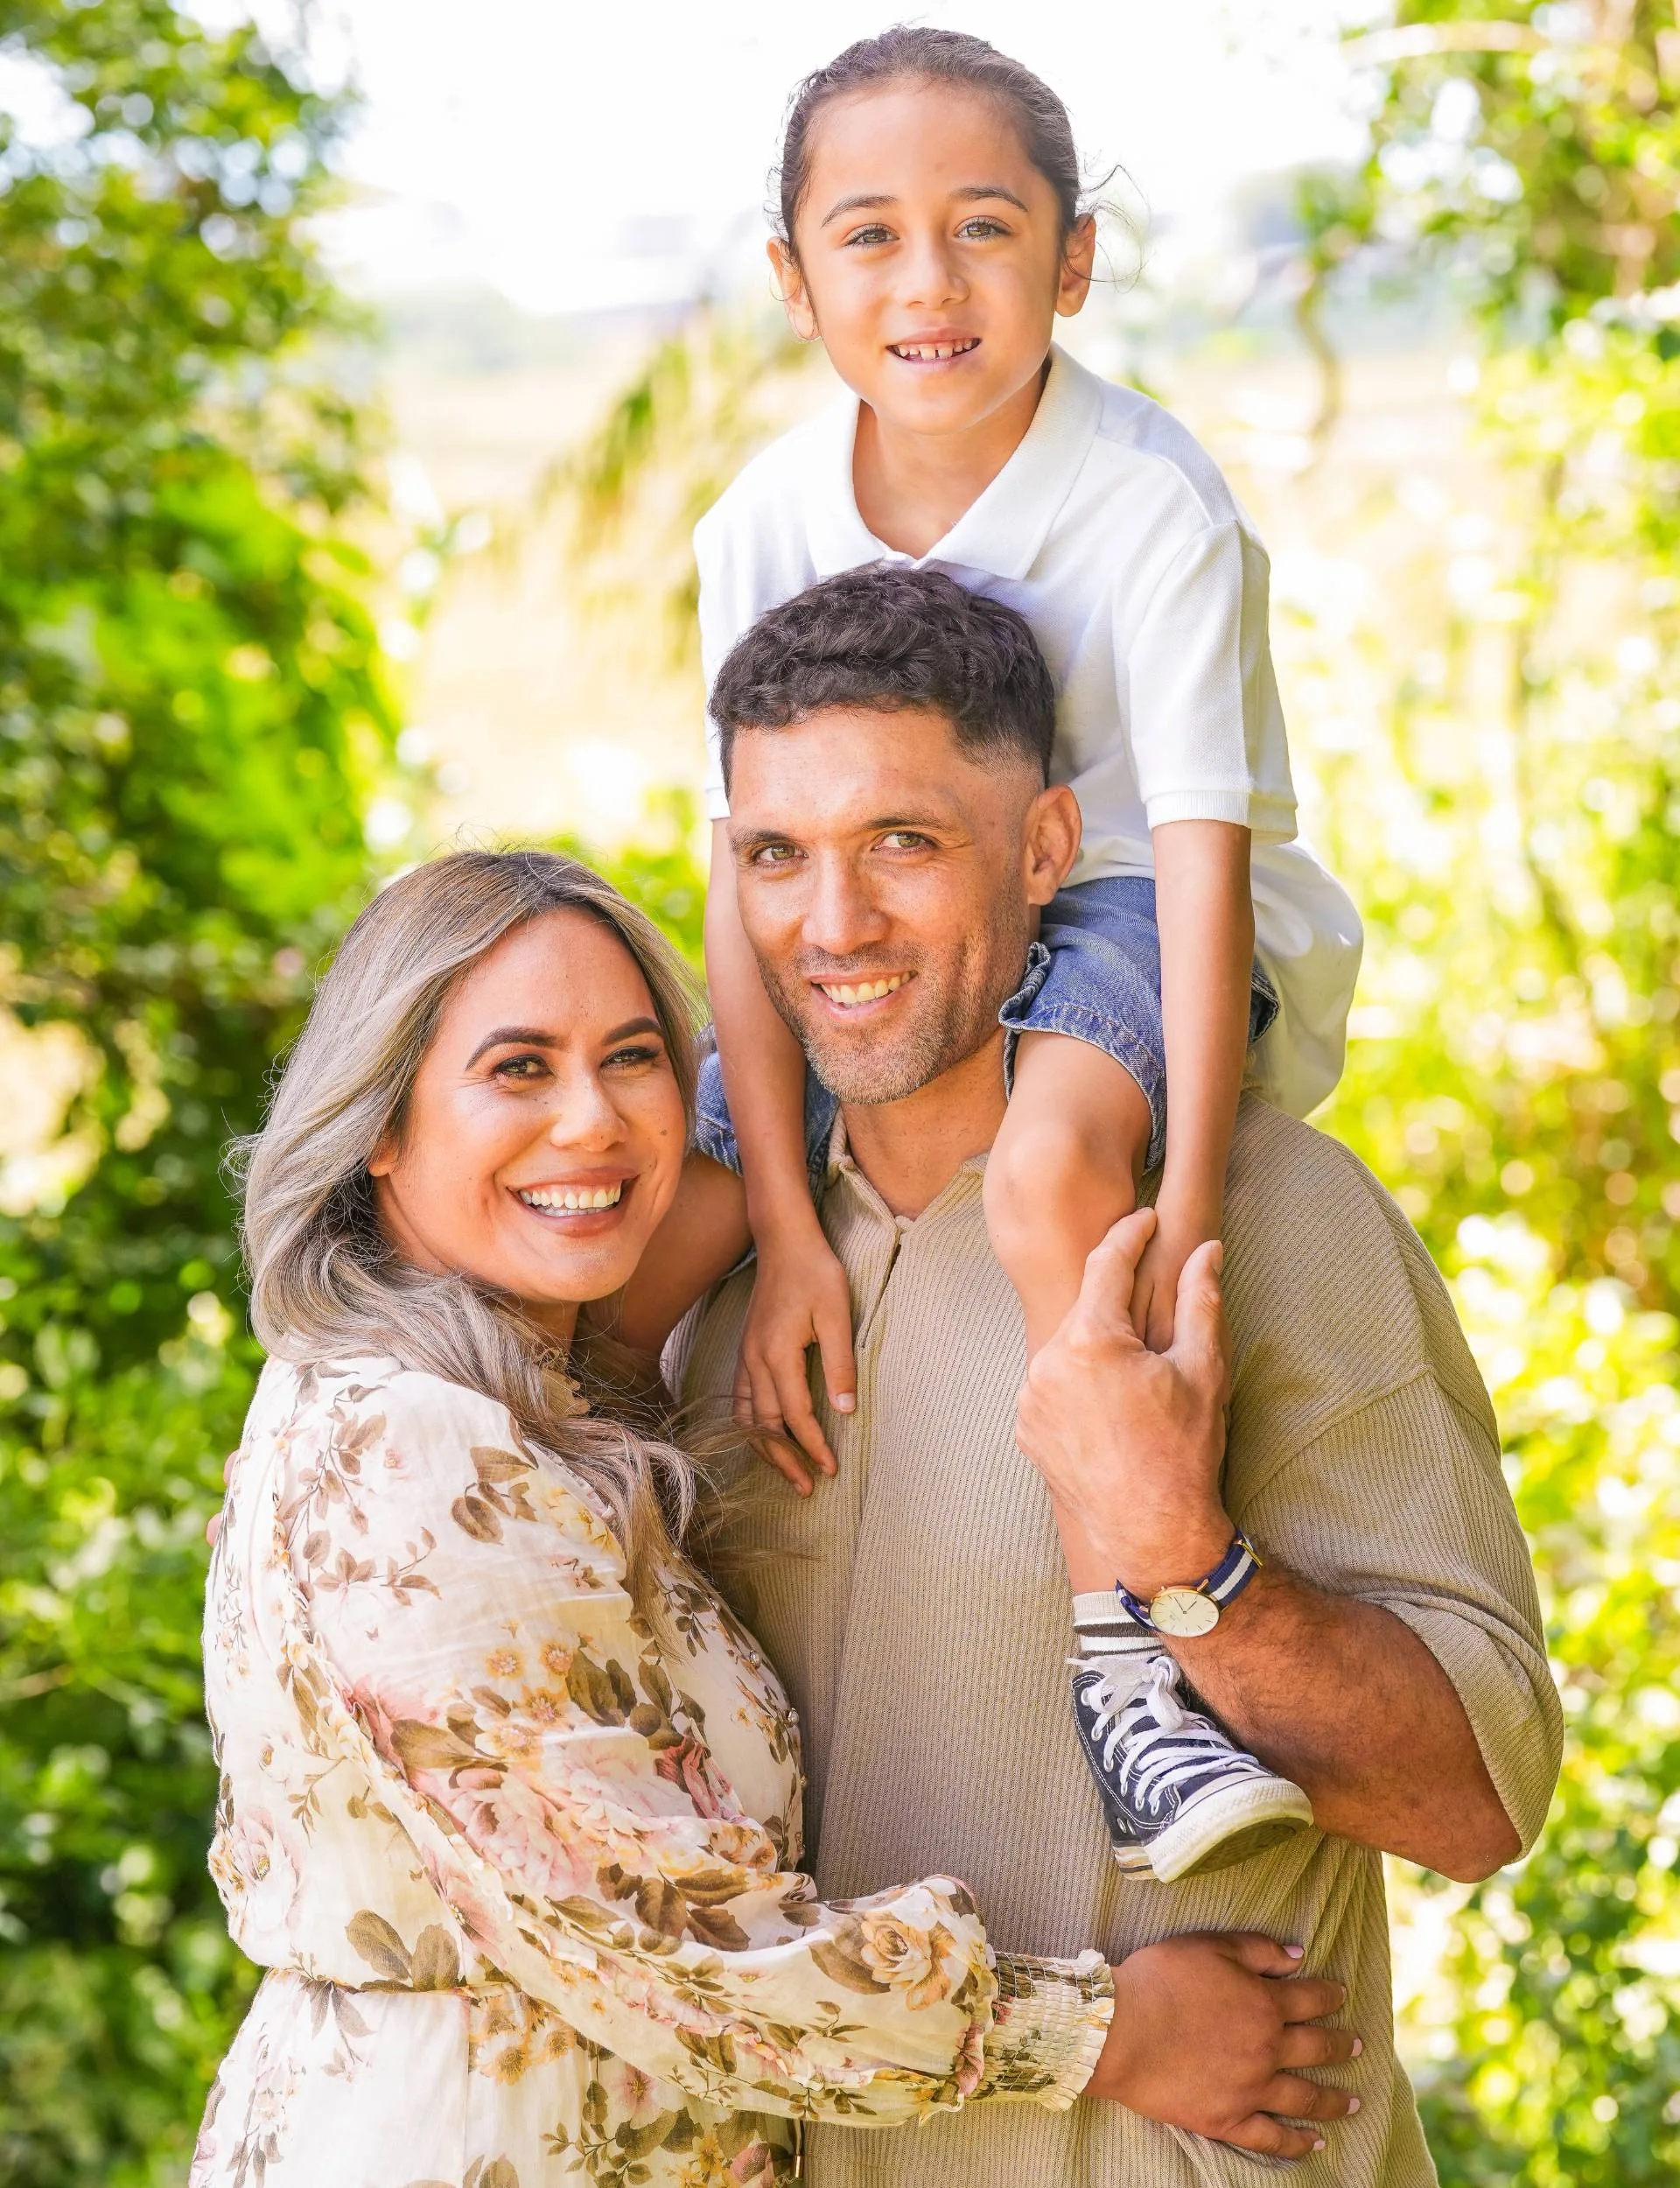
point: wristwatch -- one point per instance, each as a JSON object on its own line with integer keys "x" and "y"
{"x": 1188, "y": 1608}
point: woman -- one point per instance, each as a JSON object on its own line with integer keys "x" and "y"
{"x": 509, "y": 1805}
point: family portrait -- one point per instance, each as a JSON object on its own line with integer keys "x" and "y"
{"x": 837, "y": 1247}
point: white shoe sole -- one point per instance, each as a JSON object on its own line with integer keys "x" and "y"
{"x": 1225, "y": 1827}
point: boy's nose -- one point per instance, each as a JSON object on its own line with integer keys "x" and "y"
{"x": 930, "y": 274}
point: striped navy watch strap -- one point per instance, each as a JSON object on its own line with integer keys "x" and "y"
{"x": 1228, "y": 1578}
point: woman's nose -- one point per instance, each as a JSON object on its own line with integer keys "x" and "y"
{"x": 584, "y": 1115}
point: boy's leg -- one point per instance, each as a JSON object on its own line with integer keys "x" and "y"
{"x": 1065, "y": 1167}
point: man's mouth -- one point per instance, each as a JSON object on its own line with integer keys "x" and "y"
{"x": 572, "y": 1200}
{"x": 933, "y": 352}
{"x": 851, "y": 994}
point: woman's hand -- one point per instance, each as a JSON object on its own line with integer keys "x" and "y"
{"x": 1210, "y": 2034}
{"x": 800, "y": 1299}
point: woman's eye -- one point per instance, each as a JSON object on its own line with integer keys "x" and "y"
{"x": 520, "y": 1069}
{"x": 636, "y": 1053}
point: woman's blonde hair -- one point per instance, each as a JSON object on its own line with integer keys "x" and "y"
{"x": 324, "y": 1281}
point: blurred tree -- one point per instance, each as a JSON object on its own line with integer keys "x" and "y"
{"x": 191, "y": 712}
{"x": 1528, "y": 1089}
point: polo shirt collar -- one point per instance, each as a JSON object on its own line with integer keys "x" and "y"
{"x": 1003, "y": 532}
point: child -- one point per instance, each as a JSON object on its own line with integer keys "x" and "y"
{"x": 931, "y": 232}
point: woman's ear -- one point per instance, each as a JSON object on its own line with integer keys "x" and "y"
{"x": 382, "y": 1160}
{"x": 1078, "y": 258}
{"x": 789, "y": 285}
{"x": 1049, "y": 842}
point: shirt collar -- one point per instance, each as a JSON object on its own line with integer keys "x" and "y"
{"x": 1003, "y": 532}
{"x": 843, "y": 1167}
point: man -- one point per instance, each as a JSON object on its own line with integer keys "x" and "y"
{"x": 890, "y": 822}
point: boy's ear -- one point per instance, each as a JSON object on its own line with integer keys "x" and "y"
{"x": 1078, "y": 261}
{"x": 789, "y": 285}
{"x": 1049, "y": 842}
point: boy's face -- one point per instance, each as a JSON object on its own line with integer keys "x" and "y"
{"x": 926, "y": 228}
{"x": 889, "y": 884}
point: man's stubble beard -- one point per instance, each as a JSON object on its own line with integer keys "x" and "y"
{"x": 951, "y": 1017}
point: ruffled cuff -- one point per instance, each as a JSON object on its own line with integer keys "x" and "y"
{"x": 1049, "y": 2023}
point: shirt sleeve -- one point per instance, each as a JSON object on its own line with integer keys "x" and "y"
{"x": 1455, "y": 1570}
{"x": 1207, "y": 725}
{"x": 520, "y": 1720}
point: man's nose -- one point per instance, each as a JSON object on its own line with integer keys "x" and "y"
{"x": 840, "y": 916}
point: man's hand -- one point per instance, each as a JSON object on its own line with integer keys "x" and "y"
{"x": 1211, "y": 2033}
{"x": 1142, "y": 1498}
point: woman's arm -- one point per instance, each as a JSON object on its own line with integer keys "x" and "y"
{"x": 458, "y": 1624}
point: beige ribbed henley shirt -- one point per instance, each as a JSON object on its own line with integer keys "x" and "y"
{"x": 918, "y": 1609}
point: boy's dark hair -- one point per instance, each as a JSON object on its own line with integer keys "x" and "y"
{"x": 885, "y": 637}
{"x": 917, "y": 52}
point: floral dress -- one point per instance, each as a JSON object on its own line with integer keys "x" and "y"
{"x": 522, "y": 1868}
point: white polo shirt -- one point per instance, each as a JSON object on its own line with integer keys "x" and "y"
{"x": 1113, "y": 532}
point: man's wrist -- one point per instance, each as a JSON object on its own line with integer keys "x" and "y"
{"x": 1178, "y": 1561}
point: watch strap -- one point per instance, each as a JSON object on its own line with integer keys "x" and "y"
{"x": 1227, "y": 1579}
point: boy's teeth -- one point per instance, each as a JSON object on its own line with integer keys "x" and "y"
{"x": 863, "y": 991}
{"x": 927, "y": 352}
{"x": 573, "y": 1197}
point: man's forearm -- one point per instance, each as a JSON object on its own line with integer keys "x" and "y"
{"x": 1343, "y": 1697}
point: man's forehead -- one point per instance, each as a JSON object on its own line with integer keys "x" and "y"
{"x": 849, "y": 767}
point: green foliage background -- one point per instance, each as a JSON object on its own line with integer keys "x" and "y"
{"x": 193, "y": 717}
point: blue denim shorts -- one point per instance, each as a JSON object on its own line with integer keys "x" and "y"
{"x": 1093, "y": 974}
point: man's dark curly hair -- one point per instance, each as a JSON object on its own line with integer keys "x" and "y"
{"x": 887, "y": 638}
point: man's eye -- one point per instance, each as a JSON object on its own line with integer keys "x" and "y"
{"x": 903, "y": 839}
{"x": 774, "y": 855}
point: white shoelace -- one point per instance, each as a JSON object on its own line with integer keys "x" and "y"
{"x": 1150, "y": 1768}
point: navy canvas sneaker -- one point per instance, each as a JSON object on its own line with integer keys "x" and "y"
{"x": 1181, "y": 1798}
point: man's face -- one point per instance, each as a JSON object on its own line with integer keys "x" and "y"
{"x": 888, "y": 883}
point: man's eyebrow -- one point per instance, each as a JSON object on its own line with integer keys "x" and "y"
{"x": 511, "y": 1036}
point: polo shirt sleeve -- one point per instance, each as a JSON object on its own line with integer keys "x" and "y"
{"x": 1207, "y": 727}
{"x": 1403, "y": 1503}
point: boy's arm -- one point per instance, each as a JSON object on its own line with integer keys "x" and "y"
{"x": 1204, "y": 910}
{"x": 704, "y": 1235}
{"x": 800, "y": 1297}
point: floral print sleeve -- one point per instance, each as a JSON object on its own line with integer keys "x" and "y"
{"x": 608, "y": 1814}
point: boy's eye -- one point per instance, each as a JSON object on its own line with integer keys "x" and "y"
{"x": 866, "y": 236}
{"x": 981, "y": 227}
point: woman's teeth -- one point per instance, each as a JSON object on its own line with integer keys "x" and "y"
{"x": 573, "y": 1198}
{"x": 928, "y": 352}
{"x": 864, "y": 992}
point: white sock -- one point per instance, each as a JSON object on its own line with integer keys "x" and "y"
{"x": 1111, "y": 1641}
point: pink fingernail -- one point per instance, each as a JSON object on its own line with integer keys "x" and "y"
{"x": 845, "y": 1403}
{"x": 1358, "y": 2045}
{"x": 1319, "y": 2145}
{"x": 1352, "y": 2104}
{"x": 1295, "y": 1951}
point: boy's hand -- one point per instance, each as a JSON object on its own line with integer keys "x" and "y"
{"x": 1211, "y": 2033}
{"x": 800, "y": 1299}
{"x": 1155, "y": 1288}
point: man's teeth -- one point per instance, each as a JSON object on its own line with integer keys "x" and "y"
{"x": 573, "y": 1197}
{"x": 864, "y": 991}
{"x": 926, "y": 353}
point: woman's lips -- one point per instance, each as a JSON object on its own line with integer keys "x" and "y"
{"x": 582, "y": 1198}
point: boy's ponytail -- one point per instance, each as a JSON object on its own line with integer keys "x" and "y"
{"x": 914, "y": 52}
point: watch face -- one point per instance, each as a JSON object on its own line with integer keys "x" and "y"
{"x": 1184, "y": 1612}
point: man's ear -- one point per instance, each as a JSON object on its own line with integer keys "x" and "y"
{"x": 1049, "y": 842}
{"x": 790, "y": 289}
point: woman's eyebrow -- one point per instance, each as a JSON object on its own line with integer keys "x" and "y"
{"x": 632, "y": 1025}
{"x": 506, "y": 1037}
